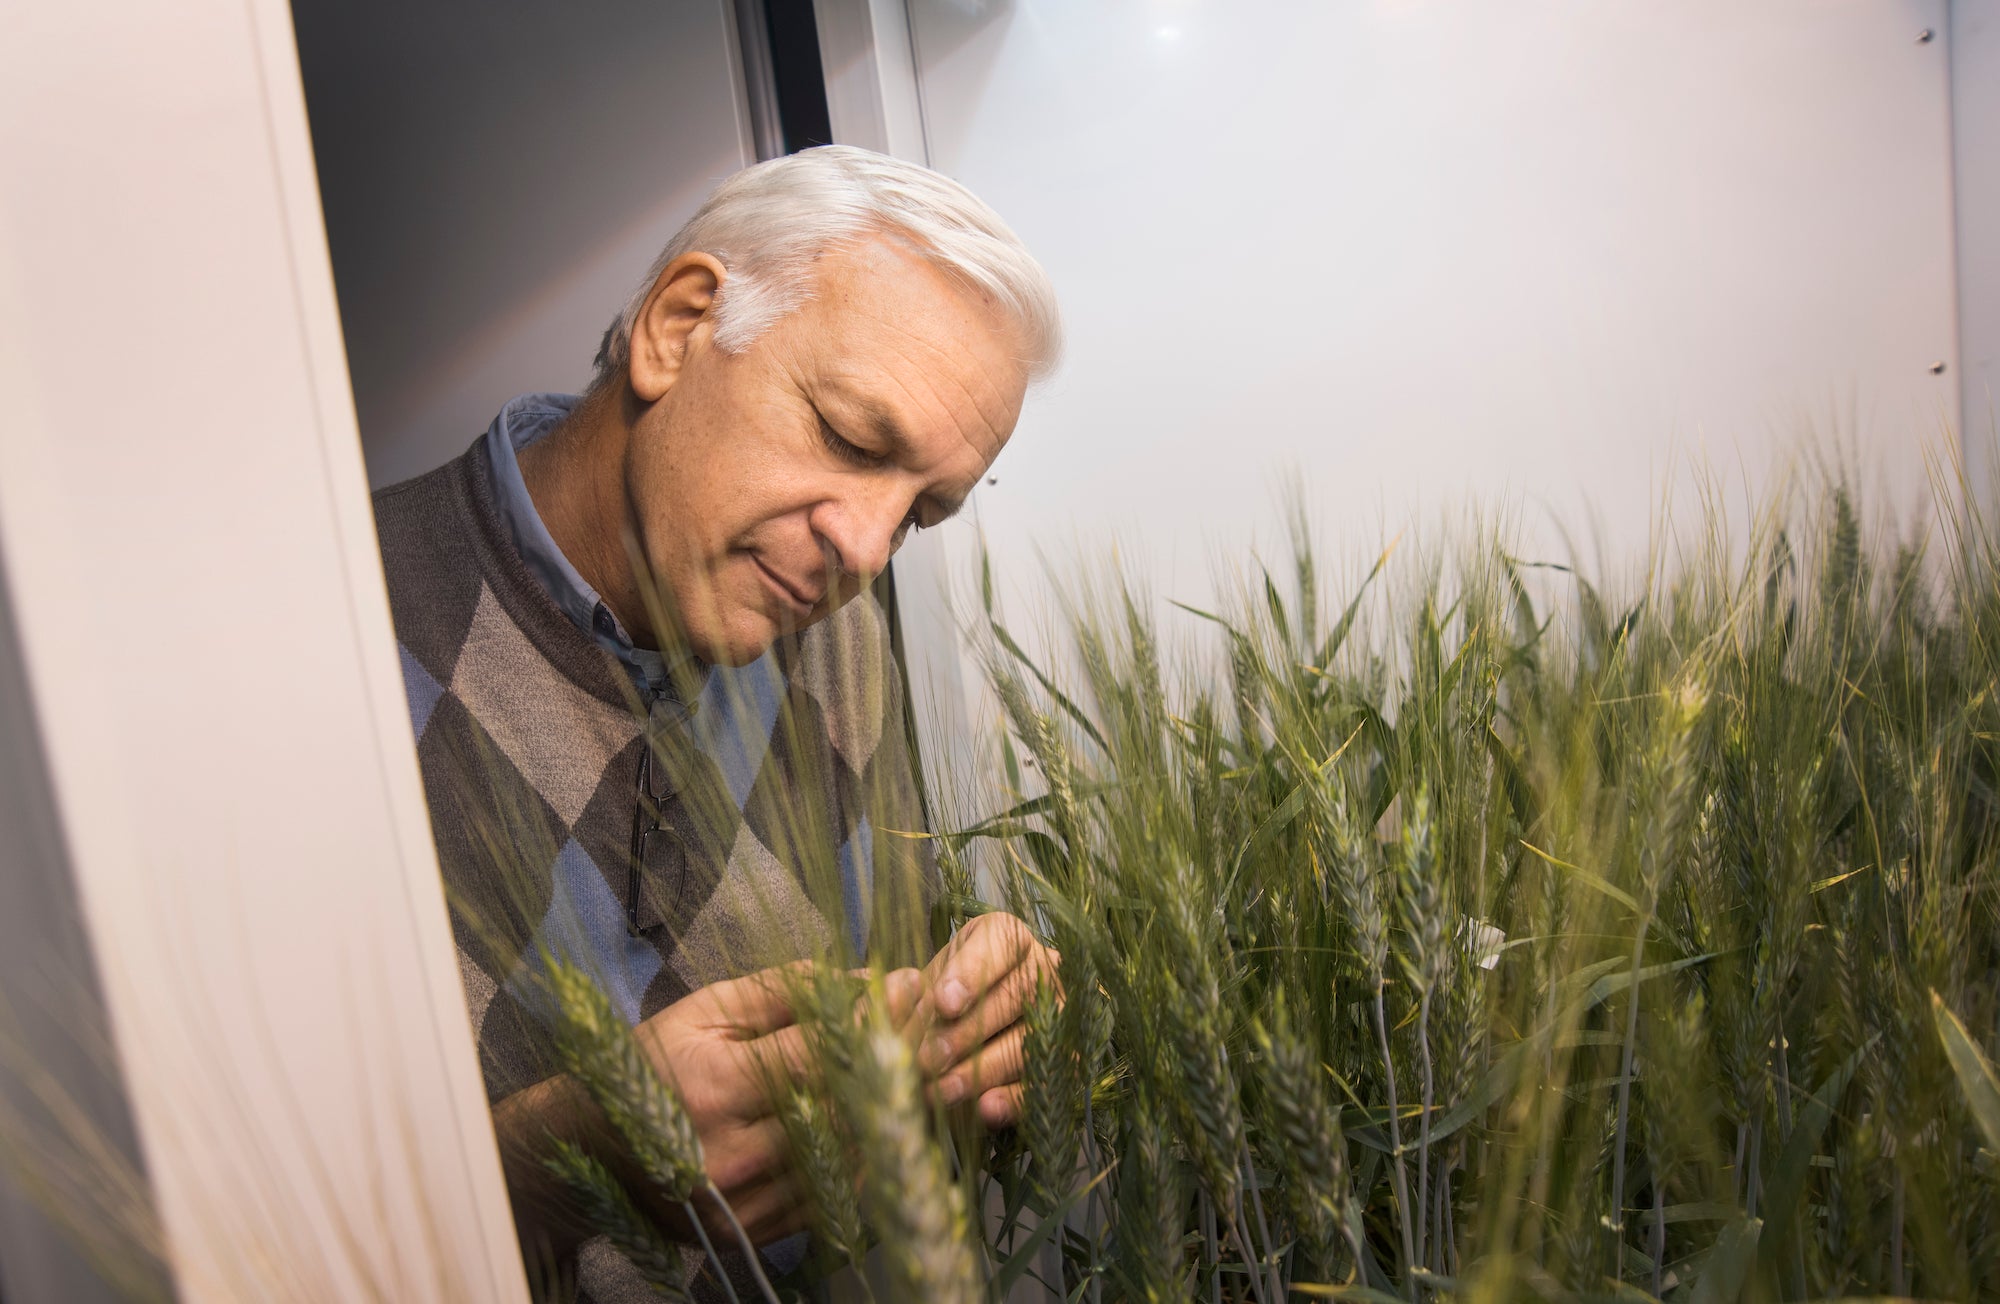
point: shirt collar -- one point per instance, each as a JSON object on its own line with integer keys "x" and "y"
{"x": 520, "y": 423}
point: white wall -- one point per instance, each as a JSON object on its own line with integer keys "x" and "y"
{"x": 1975, "y": 123}
{"x": 496, "y": 180}
{"x": 1426, "y": 250}
{"x": 204, "y": 634}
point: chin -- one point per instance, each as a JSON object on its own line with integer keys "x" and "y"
{"x": 737, "y": 656}
{"x": 743, "y": 640}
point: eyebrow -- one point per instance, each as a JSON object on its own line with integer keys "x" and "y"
{"x": 883, "y": 424}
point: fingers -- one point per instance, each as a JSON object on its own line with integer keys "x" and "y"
{"x": 946, "y": 1044}
{"x": 761, "y": 1003}
{"x": 995, "y": 1064}
{"x": 751, "y": 1006}
{"x": 901, "y": 990}
{"x": 1001, "y": 1107}
{"x": 983, "y": 952}
{"x": 977, "y": 986}
{"x": 786, "y": 1052}
{"x": 904, "y": 988}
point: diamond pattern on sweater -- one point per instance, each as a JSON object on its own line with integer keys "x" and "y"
{"x": 757, "y": 915}
{"x": 857, "y": 883}
{"x": 557, "y": 735}
{"x": 586, "y": 926}
{"x": 843, "y": 672}
{"x": 423, "y": 690}
{"x": 732, "y": 723}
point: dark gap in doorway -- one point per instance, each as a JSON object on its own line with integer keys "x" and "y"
{"x": 801, "y": 82}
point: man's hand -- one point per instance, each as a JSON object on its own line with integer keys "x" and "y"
{"x": 969, "y": 1017}
{"x": 724, "y": 1048}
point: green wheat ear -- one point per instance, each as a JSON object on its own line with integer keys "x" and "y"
{"x": 1201, "y": 1083}
{"x": 821, "y": 1156}
{"x": 915, "y": 1207}
{"x": 1149, "y": 1245}
{"x": 1303, "y": 1129}
{"x": 594, "y": 1045}
{"x": 610, "y": 1210}
{"x": 1053, "y": 1066}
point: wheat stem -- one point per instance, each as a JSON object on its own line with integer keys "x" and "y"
{"x": 1424, "y": 1128}
{"x": 742, "y": 1239}
{"x": 708, "y": 1247}
{"x": 1396, "y": 1171}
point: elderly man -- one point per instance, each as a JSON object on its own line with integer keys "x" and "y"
{"x": 637, "y": 632}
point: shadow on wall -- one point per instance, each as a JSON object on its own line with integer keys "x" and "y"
{"x": 495, "y": 180}
{"x": 76, "y": 1216}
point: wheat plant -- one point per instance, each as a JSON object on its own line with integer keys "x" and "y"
{"x": 1483, "y": 937}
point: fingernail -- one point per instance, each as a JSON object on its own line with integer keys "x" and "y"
{"x": 952, "y": 997}
{"x": 937, "y": 1052}
{"x": 951, "y": 1090}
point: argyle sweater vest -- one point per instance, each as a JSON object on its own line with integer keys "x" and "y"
{"x": 791, "y": 781}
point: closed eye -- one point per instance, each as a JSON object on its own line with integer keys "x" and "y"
{"x": 845, "y": 450}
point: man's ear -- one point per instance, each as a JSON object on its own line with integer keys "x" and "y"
{"x": 675, "y": 309}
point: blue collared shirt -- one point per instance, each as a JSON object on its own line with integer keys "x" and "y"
{"x": 520, "y": 423}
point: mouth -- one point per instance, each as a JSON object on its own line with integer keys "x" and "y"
{"x": 795, "y": 601}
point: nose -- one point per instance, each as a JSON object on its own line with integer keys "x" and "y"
{"x": 860, "y": 534}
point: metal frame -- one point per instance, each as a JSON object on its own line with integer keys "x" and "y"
{"x": 760, "y": 79}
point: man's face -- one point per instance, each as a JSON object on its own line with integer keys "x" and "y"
{"x": 767, "y": 487}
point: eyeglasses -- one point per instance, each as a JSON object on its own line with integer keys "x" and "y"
{"x": 651, "y": 836}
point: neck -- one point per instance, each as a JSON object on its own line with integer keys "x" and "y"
{"x": 576, "y": 476}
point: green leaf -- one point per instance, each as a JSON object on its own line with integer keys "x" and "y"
{"x": 1599, "y": 982}
{"x": 1611, "y": 984}
{"x": 1277, "y": 606}
{"x": 1024, "y": 1254}
{"x": 1628, "y": 622}
{"x": 1788, "y": 1179}
{"x": 1728, "y": 1267}
{"x": 1205, "y": 615}
{"x": 1008, "y": 822}
{"x": 1587, "y": 877}
{"x": 1975, "y": 1072}
{"x": 1070, "y": 708}
{"x": 1496, "y": 1082}
{"x": 1320, "y": 1290}
{"x": 1519, "y": 794}
{"x": 1338, "y": 634}
{"x": 1288, "y": 809}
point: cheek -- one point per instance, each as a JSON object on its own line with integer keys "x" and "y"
{"x": 680, "y": 482}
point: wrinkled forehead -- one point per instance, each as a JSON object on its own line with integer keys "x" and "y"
{"x": 892, "y": 335}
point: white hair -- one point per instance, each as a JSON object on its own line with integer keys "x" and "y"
{"x": 769, "y": 223}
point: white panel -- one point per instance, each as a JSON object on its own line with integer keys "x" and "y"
{"x": 192, "y": 562}
{"x": 1426, "y": 250}
{"x": 1975, "y": 126}
{"x": 871, "y": 87}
